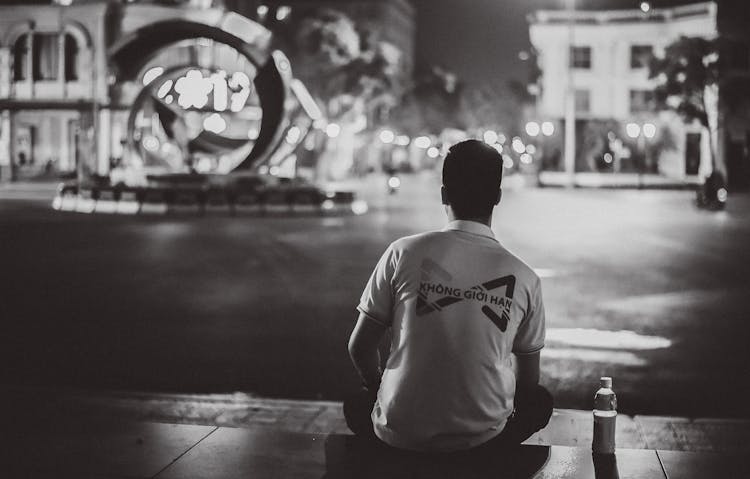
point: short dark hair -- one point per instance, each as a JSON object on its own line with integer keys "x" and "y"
{"x": 472, "y": 173}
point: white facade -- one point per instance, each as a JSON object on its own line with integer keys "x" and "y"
{"x": 613, "y": 78}
{"x": 52, "y": 77}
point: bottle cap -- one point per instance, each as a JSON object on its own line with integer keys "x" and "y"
{"x": 606, "y": 382}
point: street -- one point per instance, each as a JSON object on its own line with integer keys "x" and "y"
{"x": 639, "y": 285}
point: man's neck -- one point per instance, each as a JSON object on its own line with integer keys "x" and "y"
{"x": 485, "y": 221}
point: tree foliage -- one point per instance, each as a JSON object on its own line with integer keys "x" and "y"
{"x": 689, "y": 66}
{"x": 696, "y": 80}
{"x": 432, "y": 103}
{"x": 344, "y": 67}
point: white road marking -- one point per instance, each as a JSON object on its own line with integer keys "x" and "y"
{"x": 546, "y": 272}
{"x": 597, "y": 338}
{"x": 332, "y": 222}
{"x": 671, "y": 300}
{"x": 594, "y": 356}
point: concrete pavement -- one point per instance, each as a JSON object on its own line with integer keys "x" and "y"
{"x": 568, "y": 427}
{"x": 106, "y": 435}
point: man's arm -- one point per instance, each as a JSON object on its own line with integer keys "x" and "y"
{"x": 527, "y": 371}
{"x": 363, "y": 349}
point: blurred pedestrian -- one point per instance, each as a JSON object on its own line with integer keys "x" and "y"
{"x": 467, "y": 324}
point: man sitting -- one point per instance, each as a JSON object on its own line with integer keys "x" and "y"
{"x": 467, "y": 324}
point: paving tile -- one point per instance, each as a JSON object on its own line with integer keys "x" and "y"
{"x": 233, "y": 453}
{"x": 579, "y": 463}
{"x": 573, "y": 428}
{"x": 712, "y": 435}
{"x": 693, "y": 465}
{"x": 347, "y": 457}
{"x": 330, "y": 420}
{"x": 230, "y": 453}
{"x": 95, "y": 448}
{"x": 660, "y": 433}
{"x": 298, "y": 418}
{"x": 699, "y": 435}
{"x": 566, "y": 428}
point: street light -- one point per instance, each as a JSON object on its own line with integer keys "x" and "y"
{"x": 633, "y": 130}
{"x": 649, "y": 130}
{"x": 387, "y": 136}
{"x": 532, "y": 128}
{"x": 283, "y": 12}
{"x": 641, "y": 133}
{"x": 570, "y": 102}
{"x": 422, "y": 142}
{"x": 402, "y": 140}
{"x": 333, "y": 130}
{"x": 548, "y": 128}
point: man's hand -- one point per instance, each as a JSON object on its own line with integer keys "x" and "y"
{"x": 363, "y": 349}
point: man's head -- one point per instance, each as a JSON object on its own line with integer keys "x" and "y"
{"x": 472, "y": 172}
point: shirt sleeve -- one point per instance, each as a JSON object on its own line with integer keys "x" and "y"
{"x": 377, "y": 299}
{"x": 530, "y": 335}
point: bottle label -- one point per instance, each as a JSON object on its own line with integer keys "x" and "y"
{"x": 605, "y": 400}
{"x": 604, "y": 434}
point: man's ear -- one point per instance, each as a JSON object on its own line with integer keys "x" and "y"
{"x": 444, "y": 195}
{"x": 499, "y": 196}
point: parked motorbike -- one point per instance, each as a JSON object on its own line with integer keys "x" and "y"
{"x": 712, "y": 195}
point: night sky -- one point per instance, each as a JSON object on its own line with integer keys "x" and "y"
{"x": 480, "y": 39}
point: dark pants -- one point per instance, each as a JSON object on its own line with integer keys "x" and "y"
{"x": 532, "y": 412}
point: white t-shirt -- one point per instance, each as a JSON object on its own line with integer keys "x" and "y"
{"x": 458, "y": 304}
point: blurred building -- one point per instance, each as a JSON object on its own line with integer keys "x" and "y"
{"x": 73, "y": 96}
{"x": 605, "y": 54}
{"x": 52, "y": 82}
{"x": 392, "y": 21}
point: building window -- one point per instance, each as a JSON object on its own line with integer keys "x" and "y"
{"x": 71, "y": 58}
{"x": 583, "y": 101}
{"x": 46, "y": 56}
{"x": 21, "y": 57}
{"x": 641, "y": 101}
{"x": 580, "y": 57}
{"x": 640, "y": 56}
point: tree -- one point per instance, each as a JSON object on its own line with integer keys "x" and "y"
{"x": 694, "y": 82}
{"x": 345, "y": 68}
{"x": 431, "y": 104}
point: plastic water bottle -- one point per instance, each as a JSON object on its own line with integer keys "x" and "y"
{"x": 605, "y": 415}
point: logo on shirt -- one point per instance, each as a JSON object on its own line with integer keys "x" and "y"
{"x": 436, "y": 280}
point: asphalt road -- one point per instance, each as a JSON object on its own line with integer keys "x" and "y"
{"x": 638, "y": 285}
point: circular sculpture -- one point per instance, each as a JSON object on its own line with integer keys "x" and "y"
{"x": 207, "y": 97}
{"x": 213, "y": 95}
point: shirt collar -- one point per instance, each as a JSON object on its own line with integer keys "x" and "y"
{"x": 471, "y": 227}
